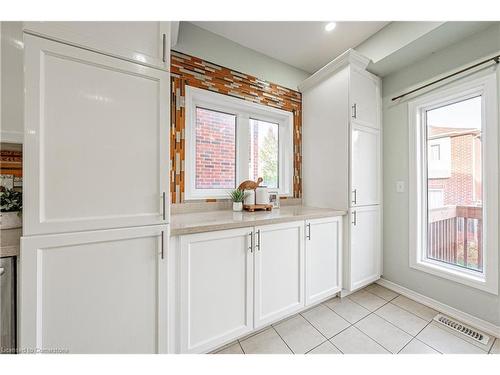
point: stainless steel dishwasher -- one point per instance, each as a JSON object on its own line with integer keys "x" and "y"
{"x": 7, "y": 305}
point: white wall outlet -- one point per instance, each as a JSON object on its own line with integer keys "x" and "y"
{"x": 400, "y": 186}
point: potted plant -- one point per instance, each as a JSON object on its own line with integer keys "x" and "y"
{"x": 11, "y": 204}
{"x": 237, "y": 196}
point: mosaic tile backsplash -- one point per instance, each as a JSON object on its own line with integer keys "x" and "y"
{"x": 192, "y": 71}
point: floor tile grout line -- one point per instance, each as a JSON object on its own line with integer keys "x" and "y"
{"x": 310, "y": 350}
{"x": 369, "y": 312}
{"x": 430, "y": 346}
{"x": 241, "y": 347}
{"x": 336, "y": 345}
{"x": 415, "y": 338}
{"x": 345, "y": 329}
{"x": 408, "y": 311}
{"x": 494, "y": 341}
{"x": 368, "y": 291}
{"x": 381, "y": 317}
{"x": 359, "y": 329}
{"x": 282, "y": 339}
{"x": 385, "y": 302}
{"x": 371, "y": 338}
{"x": 321, "y": 333}
{"x": 411, "y": 312}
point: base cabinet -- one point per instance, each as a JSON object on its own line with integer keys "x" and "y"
{"x": 279, "y": 271}
{"x": 363, "y": 260}
{"x": 323, "y": 259}
{"x": 216, "y": 288}
{"x": 94, "y": 292}
{"x": 232, "y": 282}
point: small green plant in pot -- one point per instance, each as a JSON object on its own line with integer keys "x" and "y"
{"x": 237, "y": 196}
{"x": 11, "y": 204}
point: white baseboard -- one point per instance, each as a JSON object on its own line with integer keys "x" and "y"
{"x": 464, "y": 317}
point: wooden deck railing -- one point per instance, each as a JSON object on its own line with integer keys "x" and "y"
{"x": 455, "y": 235}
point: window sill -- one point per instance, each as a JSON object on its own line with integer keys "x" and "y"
{"x": 472, "y": 279}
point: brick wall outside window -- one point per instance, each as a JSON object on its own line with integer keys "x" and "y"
{"x": 459, "y": 188}
{"x": 215, "y": 149}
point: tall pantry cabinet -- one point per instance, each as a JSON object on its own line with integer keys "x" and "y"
{"x": 95, "y": 231}
{"x": 341, "y": 148}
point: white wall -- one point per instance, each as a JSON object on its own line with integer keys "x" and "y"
{"x": 395, "y": 121}
{"x": 201, "y": 43}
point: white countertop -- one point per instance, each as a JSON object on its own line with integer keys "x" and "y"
{"x": 198, "y": 222}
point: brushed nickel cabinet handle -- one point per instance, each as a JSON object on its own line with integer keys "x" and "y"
{"x": 251, "y": 242}
{"x": 354, "y": 221}
{"x": 163, "y": 203}
{"x": 354, "y": 111}
{"x": 355, "y": 199}
{"x": 257, "y": 246}
{"x": 162, "y": 246}
{"x": 308, "y": 231}
{"x": 164, "y": 57}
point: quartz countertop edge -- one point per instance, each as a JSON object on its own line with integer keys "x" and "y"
{"x": 200, "y": 222}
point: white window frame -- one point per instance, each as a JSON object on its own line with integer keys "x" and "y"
{"x": 486, "y": 86}
{"x": 244, "y": 111}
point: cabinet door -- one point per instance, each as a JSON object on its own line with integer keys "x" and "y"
{"x": 216, "y": 288}
{"x": 96, "y": 140}
{"x": 95, "y": 292}
{"x": 144, "y": 42}
{"x": 364, "y": 96}
{"x": 323, "y": 258}
{"x": 279, "y": 271}
{"x": 364, "y": 257}
{"x": 365, "y": 166}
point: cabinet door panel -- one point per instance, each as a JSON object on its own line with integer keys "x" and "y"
{"x": 279, "y": 271}
{"x": 365, "y": 254}
{"x": 364, "y": 96}
{"x": 216, "y": 288}
{"x": 323, "y": 258}
{"x": 96, "y": 136}
{"x": 365, "y": 166}
{"x": 94, "y": 292}
{"x": 141, "y": 42}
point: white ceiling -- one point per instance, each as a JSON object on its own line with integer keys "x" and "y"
{"x": 304, "y": 45}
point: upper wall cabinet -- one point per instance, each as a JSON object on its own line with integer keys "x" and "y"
{"x": 364, "y": 95}
{"x": 147, "y": 43}
{"x": 96, "y": 140}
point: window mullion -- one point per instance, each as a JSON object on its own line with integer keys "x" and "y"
{"x": 242, "y": 148}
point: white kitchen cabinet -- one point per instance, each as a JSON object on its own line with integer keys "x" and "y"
{"x": 95, "y": 292}
{"x": 96, "y": 140}
{"x": 364, "y": 96}
{"x": 365, "y": 166}
{"x": 341, "y": 143}
{"x": 363, "y": 258}
{"x": 279, "y": 271}
{"x": 146, "y": 42}
{"x": 323, "y": 257}
{"x": 216, "y": 288}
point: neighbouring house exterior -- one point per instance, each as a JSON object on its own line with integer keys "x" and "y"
{"x": 454, "y": 176}
{"x": 455, "y": 196}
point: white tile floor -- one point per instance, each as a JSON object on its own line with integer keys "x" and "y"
{"x": 372, "y": 320}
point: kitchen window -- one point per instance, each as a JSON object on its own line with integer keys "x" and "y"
{"x": 453, "y": 203}
{"x": 229, "y": 140}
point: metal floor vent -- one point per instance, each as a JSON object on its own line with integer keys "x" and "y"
{"x": 463, "y": 329}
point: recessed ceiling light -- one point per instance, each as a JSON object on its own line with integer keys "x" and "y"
{"x": 330, "y": 26}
